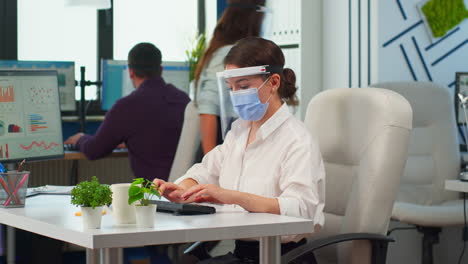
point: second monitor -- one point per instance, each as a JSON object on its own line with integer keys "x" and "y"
{"x": 116, "y": 81}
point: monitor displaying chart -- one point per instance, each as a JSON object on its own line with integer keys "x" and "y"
{"x": 66, "y": 77}
{"x": 30, "y": 120}
{"x": 116, "y": 82}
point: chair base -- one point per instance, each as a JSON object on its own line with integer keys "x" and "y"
{"x": 430, "y": 237}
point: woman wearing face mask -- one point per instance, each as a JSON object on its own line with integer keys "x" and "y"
{"x": 269, "y": 162}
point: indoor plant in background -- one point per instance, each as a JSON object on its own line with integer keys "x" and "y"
{"x": 91, "y": 196}
{"x": 140, "y": 193}
{"x": 193, "y": 57}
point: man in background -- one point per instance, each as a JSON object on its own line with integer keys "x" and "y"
{"x": 149, "y": 120}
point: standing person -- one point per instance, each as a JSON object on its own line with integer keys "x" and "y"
{"x": 149, "y": 120}
{"x": 269, "y": 162}
{"x": 241, "y": 18}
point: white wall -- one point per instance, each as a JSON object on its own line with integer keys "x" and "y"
{"x": 350, "y": 43}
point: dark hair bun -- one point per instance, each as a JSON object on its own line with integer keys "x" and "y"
{"x": 287, "y": 90}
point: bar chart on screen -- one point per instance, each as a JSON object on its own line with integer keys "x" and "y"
{"x": 7, "y": 94}
{"x": 4, "y": 151}
{"x": 37, "y": 123}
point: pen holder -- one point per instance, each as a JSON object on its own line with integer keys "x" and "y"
{"x": 13, "y": 188}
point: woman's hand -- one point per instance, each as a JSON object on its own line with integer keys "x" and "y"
{"x": 171, "y": 191}
{"x": 207, "y": 193}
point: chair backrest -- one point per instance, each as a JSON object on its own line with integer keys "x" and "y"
{"x": 363, "y": 134}
{"x": 434, "y": 152}
{"x": 189, "y": 142}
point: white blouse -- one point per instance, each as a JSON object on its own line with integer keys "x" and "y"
{"x": 283, "y": 162}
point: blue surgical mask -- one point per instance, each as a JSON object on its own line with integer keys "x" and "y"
{"x": 247, "y": 104}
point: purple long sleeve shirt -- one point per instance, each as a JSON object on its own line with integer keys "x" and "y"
{"x": 149, "y": 121}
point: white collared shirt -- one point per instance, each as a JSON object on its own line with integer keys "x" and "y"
{"x": 283, "y": 162}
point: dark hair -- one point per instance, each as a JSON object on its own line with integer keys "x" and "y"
{"x": 255, "y": 51}
{"x": 239, "y": 20}
{"x": 145, "y": 60}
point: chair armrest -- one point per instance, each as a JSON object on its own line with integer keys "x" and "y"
{"x": 379, "y": 246}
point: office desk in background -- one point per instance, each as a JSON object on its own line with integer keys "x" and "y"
{"x": 456, "y": 185}
{"x": 74, "y": 167}
{"x": 76, "y": 155}
{"x": 53, "y": 216}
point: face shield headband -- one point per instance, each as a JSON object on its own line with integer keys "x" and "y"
{"x": 248, "y": 71}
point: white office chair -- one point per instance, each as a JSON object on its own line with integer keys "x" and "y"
{"x": 363, "y": 135}
{"x": 189, "y": 142}
{"x": 433, "y": 157}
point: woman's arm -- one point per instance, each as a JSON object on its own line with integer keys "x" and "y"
{"x": 255, "y": 203}
{"x": 187, "y": 183}
{"x": 209, "y": 132}
{"x": 250, "y": 202}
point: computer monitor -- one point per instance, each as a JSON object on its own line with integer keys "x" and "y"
{"x": 116, "y": 82}
{"x": 461, "y": 86}
{"x": 66, "y": 77}
{"x": 30, "y": 120}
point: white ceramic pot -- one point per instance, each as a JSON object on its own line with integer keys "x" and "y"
{"x": 145, "y": 215}
{"x": 121, "y": 211}
{"x": 91, "y": 217}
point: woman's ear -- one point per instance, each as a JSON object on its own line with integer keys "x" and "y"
{"x": 275, "y": 81}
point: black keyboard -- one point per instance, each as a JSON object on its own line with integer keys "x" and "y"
{"x": 182, "y": 208}
{"x": 70, "y": 147}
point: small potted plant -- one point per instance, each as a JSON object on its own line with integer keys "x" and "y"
{"x": 140, "y": 193}
{"x": 91, "y": 196}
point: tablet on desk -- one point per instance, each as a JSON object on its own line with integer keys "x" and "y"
{"x": 49, "y": 189}
{"x": 182, "y": 208}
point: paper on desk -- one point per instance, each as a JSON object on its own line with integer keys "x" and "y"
{"x": 50, "y": 189}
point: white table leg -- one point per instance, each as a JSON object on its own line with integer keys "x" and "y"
{"x": 270, "y": 250}
{"x": 113, "y": 256}
{"x": 10, "y": 245}
{"x": 93, "y": 256}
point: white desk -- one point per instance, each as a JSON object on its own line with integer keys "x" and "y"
{"x": 456, "y": 185}
{"x": 53, "y": 216}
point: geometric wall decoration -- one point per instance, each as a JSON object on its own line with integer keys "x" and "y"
{"x": 406, "y": 52}
{"x": 441, "y": 16}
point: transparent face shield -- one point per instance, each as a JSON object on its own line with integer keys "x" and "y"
{"x": 267, "y": 23}
{"x": 240, "y": 80}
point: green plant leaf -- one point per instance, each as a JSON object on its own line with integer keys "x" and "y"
{"x": 138, "y": 181}
{"x": 195, "y": 53}
{"x": 134, "y": 190}
{"x": 142, "y": 190}
{"x": 135, "y": 198}
{"x": 155, "y": 192}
